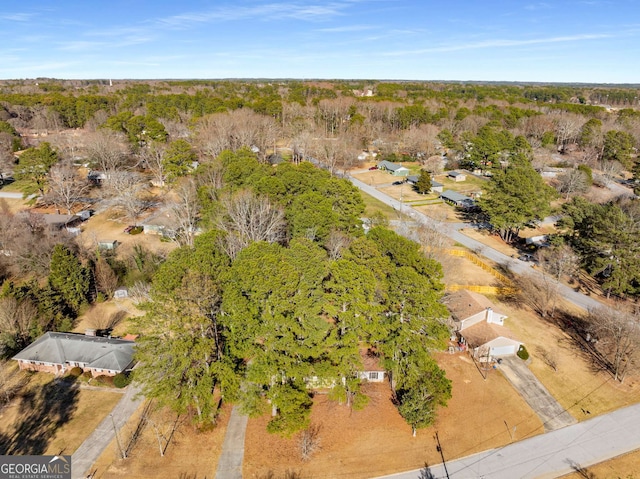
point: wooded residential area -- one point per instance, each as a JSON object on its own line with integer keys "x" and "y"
{"x": 274, "y": 279}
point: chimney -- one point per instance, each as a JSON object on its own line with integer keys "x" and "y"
{"x": 489, "y": 315}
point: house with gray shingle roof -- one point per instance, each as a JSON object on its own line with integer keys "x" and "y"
{"x": 59, "y": 352}
{"x": 394, "y": 168}
{"x": 457, "y": 199}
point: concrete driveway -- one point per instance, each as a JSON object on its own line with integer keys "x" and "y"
{"x": 230, "y": 462}
{"x": 90, "y": 450}
{"x": 550, "y": 412}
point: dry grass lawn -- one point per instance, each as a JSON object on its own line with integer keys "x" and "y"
{"x": 377, "y": 441}
{"x": 578, "y": 387}
{"x": 105, "y": 226}
{"x": 51, "y": 416}
{"x": 190, "y": 454}
{"x": 622, "y": 467}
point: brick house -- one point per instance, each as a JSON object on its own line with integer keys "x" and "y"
{"x": 57, "y": 353}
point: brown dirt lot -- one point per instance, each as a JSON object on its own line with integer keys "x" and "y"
{"x": 190, "y": 454}
{"x": 376, "y": 440}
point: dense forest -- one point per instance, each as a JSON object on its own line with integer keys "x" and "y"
{"x": 273, "y": 284}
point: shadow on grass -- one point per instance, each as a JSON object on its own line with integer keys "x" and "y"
{"x": 42, "y": 411}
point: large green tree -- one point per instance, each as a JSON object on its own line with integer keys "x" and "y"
{"x": 606, "y": 236}
{"x": 619, "y": 146}
{"x": 33, "y": 168}
{"x": 69, "y": 277}
{"x": 514, "y": 197}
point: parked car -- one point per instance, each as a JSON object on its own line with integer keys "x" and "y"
{"x": 373, "y": 168}
{"x": 128, "y": 229}
{"x": 527, "y": 257}
{"x": 396, "y": 183}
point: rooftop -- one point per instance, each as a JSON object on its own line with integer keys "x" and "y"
{"x": 93, "y": 351}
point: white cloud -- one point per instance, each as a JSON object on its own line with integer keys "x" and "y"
{"x": 270, "y": 11}
{"x": 347, "y": 28}
{"x": 17, "y": 17}
{"x": 499, "y": 43}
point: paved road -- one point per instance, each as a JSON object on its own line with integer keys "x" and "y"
{"x": 91, "y": 449}
{"x": 230, "y": 463}
{"x": 548, "y": 455}
{"x": 11, "y": 195}
{"x": 550, "y": 412}
{"x": 451, "y": 230}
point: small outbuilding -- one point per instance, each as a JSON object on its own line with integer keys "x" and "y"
{"x": 456, "y": 176}
{"x": 107, "y": 245}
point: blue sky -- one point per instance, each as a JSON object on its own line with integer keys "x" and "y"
{"x": 484, "y": 40}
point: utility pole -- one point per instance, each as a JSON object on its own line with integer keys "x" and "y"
{"x": 123, "y": 453}
{"x": 439, "y": 449}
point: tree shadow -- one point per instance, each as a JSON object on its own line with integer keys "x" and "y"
{"x": 425, "y": 473}
{"x": 41, "y": 413}
{"x": 577, "y": 328}
{"x": 581, "y": 471}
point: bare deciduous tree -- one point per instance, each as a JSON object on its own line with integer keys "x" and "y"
{"x": 16, "y": 318}
{"x": 132, "y": 202}
{"x": 559, "y": 261}
{"x": 234, "y": 130}
{"x": 65, "y": 188}
{"x": 610, "y": 169}
{"x": 574, "y": 181}
{"x": 27, "y": 243}
{"x": 140, "y": 292}
{"x": 548, "y": 356}
{"x": 108, "y": 151}
{"x": 106, "y": 279}
{"x": 336, "y": 243}
{"x": 567, "y": 127}
{"x": 251, "y": 218}
{"x": 152, "y": 158}
{"x": 186, "y": 210}
{"x": 309, "y": 442}
{"x": 432, "y": 239}
{"x": 616, "y": 332}
{"x": 540, "y": 292}
{"x": 420, "y": 142}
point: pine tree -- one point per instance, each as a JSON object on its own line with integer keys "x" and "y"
{"x": 423, "y": 185}
{"x": 69, "y": 277}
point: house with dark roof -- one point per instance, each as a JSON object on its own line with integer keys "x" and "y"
{"x": 57, "y": 353}
{"x": 480, "y": 327}
{"x": 394, "y": 168}
{"x": 435, "y": 186}
{"x": 457, "y": 199}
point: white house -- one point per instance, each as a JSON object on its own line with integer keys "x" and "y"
{"x": 480, "y": 327}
